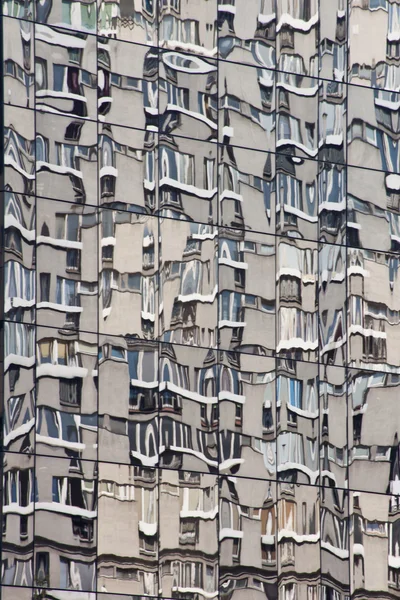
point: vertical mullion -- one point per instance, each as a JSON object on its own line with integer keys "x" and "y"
{"x": 2, "y": 281}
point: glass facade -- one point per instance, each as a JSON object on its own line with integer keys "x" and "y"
{"x": 200, "y": 300}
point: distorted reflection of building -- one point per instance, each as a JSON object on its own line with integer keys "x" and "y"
{"x": 297, "y": 36}
{"x": 19, "y": 150}
{"x": 19, "y": 265}
{"x": 333, "y": 390}
{"x": 298, "y": 541}
{"x": 20, "y": 9}
{"x": 332, "y": 202}
{"x": 127, "y": 91}
{"x": 188, "y": 283}
{"x": 19, "y": 387}
{"x": 373, "y": 204}
{"x": 128, "y": 514}
{"x": 189, "y": 28}
{"x": 128, "y": 275}
{"x": 188, "y": 542}
{"x": 187, "y": 180}
{"x": 121, "y": 166}
{"x": 199, "y": 363}
{"x": 335, "y": 580}
{"x": 74, "y": 15}
{"x": 251, "y": 175}
{"x": 332, "y": 265}
{"x": 296, "y": 197}
{"x": 373, "y": 314}
{"x": 18, "y": 498}
{"x": 374, "y": 532}
{"x": 373, "y": 449}
{"x": 67, "y": 294}
{"x": 298, "y": 101}
{"x": 18, "y": 59}
{"x": 188, "y": 99}
{"x": 247, "y": 535}
{"x": 66, "y": 158}
{"x": 297, "y": 312}
{"x": 373, "y": 135}
{"x": 131, "y": 21}
{"x": 247, "y": 112}
{"x": 247, "y": 303}
{"x": 247, "y": 406}
{"x": 296, "y": 421}
{"x": 188, "y": 408}
{"x": 66, "y": 394}
{"x": 65, "y": 72}
{"x": 65, "y": 523}
{"x": 246, "y": 34}
{"x": 373, "y": 65}
{"x": 129, "y": 425}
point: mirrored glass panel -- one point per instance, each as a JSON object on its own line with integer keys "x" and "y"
{"x": 199, "y": 300}
{"x": 188, "y": 538}
{"x": 65, "y": 72}
{"x": 372, "y": 431}
{"x": 66, "y": 394}
{"x": 373, "y": 309}
{"x": 188, "y": 95}
{"x": 19, "y": 256}
{"x": 188, "y": 408}
{"x": 19, "y": 150}
{"x": 128, "y": 530}
{"x": 67, "y": 285}
{"x": 246, "y": 106}
{"x": 18, "y": 56}
{"x": 76, "y": 14}
{"x": 65, "y": 524}
{"x": 373, "y": 538}
{"x": 188, "y": 283}
{"x": 298, "y": 545}
{"x": 248, "y": 538}
{"x": 373, "y": 60}
{"x": 333, "y": 440}
{"x": 247, "y": 416}
{"x": 191, "y": 28}
{"x": 247, "y": 189}
{"x": 128, "y": 426}
{"x": 127, "y": 89}
{"x": 66, "y": 158}
{"x": 128, "y": 274}
{"x": 247, "y": 32}
{"x": 247, "y": 309}
{"x": 18, "y": 497}
{"x": 297, "y": 300}
{"x": 128, "y": 20}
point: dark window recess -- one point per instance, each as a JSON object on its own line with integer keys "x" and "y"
{"x": 71, "y": 391}
{"x": 13, "y": 240}
{"x": 73, "y": 131}
{"x": 42, "y": 569}
{"x": 83, "y": 528}
{"x": 24, "y": 487}
{"x": 357, "y": 424}
{"x": 23, "y": 526}
{"x": 107, "y": 252}
{"x": 75, "y": 491}
{"x": 73, "y": 259}
{"x": 44, "y": 287}
{"x": 267, "y": 418}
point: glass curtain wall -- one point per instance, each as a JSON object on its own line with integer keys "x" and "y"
{"x": 200, "y": 306}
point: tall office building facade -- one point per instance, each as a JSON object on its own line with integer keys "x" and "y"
{"x": 200, "y": 295}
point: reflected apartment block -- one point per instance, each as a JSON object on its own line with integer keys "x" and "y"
{"x": 200, "y": 302}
